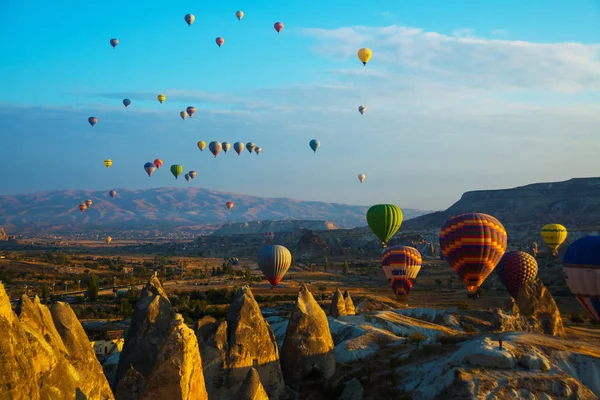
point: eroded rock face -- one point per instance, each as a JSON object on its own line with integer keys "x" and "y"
{"x": 160, "y": 356}
{"x": 252, "y": 388}
{"x": 307, "y": 351}
{"x": 534, "y": 311}
{"x": 338, "y": 305}
{"x": 353, "y": 390}
{"x": 42, "y": 357}
{"x": 350, "y": 309}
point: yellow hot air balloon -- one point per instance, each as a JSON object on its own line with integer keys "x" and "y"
{"x": 108, "y": 239}
{"x": 107, "y": 163}
{"x": 553, "y": 235}
{"x": 161, "y": 98}
{"x": 365, "y": 55}
{"x": 183, "y": 115}
{"x": 201, "y": 145}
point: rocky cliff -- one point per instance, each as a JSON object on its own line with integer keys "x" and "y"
{"x": 311, "y": 246}
{"x": 276, "y": 226}
{"x": 45, "y": 354}
{"x": 574, "y": 203}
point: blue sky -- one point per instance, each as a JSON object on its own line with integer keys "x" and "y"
{"x": 460, "y": 96}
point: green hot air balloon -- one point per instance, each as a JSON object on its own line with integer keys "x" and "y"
{"x": 176, "y": 170}
{"x": 384, "y": 220}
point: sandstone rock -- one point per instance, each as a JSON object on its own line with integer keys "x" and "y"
{"x": 214, "y": 352}
{"x": 160, "y": 356}
{"x": 307, "y": 351}
{"x": 205, "y": 327}
{"x": 251, "y": 343}
{"x": 251, "y": 388}
{"x": 350, "y": 310}
{"x": 338, "y": 305}
{"x": 534, "y": 311}
{"x": 353, "y": 390}
{"x": 310, "y": 246}
{"x": 3, "y": 235}
{"x": 534, "y": 361}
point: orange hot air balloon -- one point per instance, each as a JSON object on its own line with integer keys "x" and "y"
{"x": 278, "y": 26}
{"x": 229, "y": 205}
{"x": 82, "y": 207}
{"x": 220, "y": 41}
{"x": 158, "y": 163}
{"x": 88, "y": 203}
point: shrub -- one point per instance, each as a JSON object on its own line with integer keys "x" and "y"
{"x": 416, "y": 338}
{"x": 577, "y": 319}
{"x": 469, "y": 328}
{"x": 464, "y": 305}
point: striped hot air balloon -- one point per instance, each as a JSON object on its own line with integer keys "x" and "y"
{"x": 238, "y": 147}
{"x": 384, "y": 220}
{"x": 401, "y": 264}
{"x": 515, "y": 269}
{"x": 215, "y": 147}
{"x": 274, "y": 261}
{"x": 82, "y": 207}
{"x": 581, "y": 266}
{"x": 473, "y": 244}
{"x": 149, "y": 168}
{"x": 108, "y": 163}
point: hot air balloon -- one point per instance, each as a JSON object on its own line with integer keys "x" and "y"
{"x": 234, "y": 261}
{"x": 229, "y": 205}
{"x": 150, "y": 168}
{"x": 250, "y": 147}
{"x": 219, "y": 41}
{"x": 239, "y": 14}
{"x": 190, "y": 111}
{"x": 161, "y": 98}
{"x": 215, "y": 147}
{"x": 361, "y": 177}
{"x": 189, "y": 18}
{"x": 88, "y": 203}
{"x": 274, "y": 261}
{"x": 581, "y": 266}
{"x": 516, "y": 268}
{"x": 201, "y": 145}
{"x": 401, "y": 264}
{"x": 187, "y": 177}
{"x": 226, "y": 146}
{"x": 183, "y": 115}
{"x": 158, "y": 163}
{"x": 314, "y": 144}
{"x": 278, "y": 26}
{"x": 108, "y": 239}
{"x": 473, "y": 244}
{"x": 553, "y": 235}
{"x": 365, "y": 55}
{"x": 112, "y": 194}
{"x": 257, "y": 150}
{"x": 126, "y": 103}
{"x": 269, "y": 237}
{"x": 361, "y": 109}
{"x": 114, "y": 42}
{"x": 176, "y": 170}
{"x": 93, "y": 121}
{"x": 107, "y": 163}
{"x": 192, "y": 174}
{"x": 384, "y": 220}
{"x": 82, "y": 207}
{"x": 238, "y": 147}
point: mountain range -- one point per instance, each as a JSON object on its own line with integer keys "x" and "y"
{"x": 192, "y": 209}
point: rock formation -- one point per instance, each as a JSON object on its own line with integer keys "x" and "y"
{"x": 307, "y": 351}
{"x": 3, "y": 235}
{"x": 243, "y": 341}
{"x": 350, "y": 310}
{"x": 251, "y": 388}
{"x": 40, "y": 359}
{"x": 353, "y": 390}
{"x": 338, "y": 305}
{"x": 310, "y": 246}
{"x": 160, "y": 357}
{"x": 534, "y": 311}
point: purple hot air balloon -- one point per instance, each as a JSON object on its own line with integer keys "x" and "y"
{"x": 150, "y": 168}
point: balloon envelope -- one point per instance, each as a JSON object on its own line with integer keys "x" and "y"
{"x": 515, "y": 269}
{"x": 239, "y": 14}
{"x": 107, "y": 163}
{"x": 278, "y": 26}
{"x": 229, "y": 205}
{"x": 238, "y": 147}
{"x": 158, "y": 163}
{"x": 187, "y": 177}
{"x": 108, "y": 239}
{"x": 201, "y": 145}
{"x": 189, "y": 18}
{"x": 257, "y": 150}
{"x": 219, "y": 41}
{"x": 176, "y": 170}
{"x": 384, "y": 220}
{"x": 401, "y": 264}
{"x": 192, "y": 174}
{"x": 215, "y": 147}
{"x": 314, "y": 144}
{"x": 161, "y": 98}
{"x": 473, "y": 244}
{"x": 112, "y": 193}
{"x": 190, "y": 111}
{"x": 126, "y": 102}
{"x": 274, "y": 261}
{"x": 183, "y": 115}
{"x": 250, "y": 147}
{"x": 581, "y": 266}
{"x": 554, "y": 235}
{"x": 150, "y": 168}
{"x": 88, "y": 203}
{"x": 226, "y": 146}
{"x": 82, "y": 207}
{"x": 114, "y": 42}
{"x": 365, "y": 55}
{"x": 93, "y": 121}
{"x": 361, "y": 177}
{"x": 362, "y": 109}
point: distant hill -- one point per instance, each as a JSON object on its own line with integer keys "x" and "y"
{"x": 192, "y": 209}
{"x": 574, "y": 203}
{"x": 245, "y": 228}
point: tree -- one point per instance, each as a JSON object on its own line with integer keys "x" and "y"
{"x": 248, "y": 274}
{"x": 326, "y": 264}
{"x": 45, "y": 292}
{"x": 43, "y": 272}
{"x": 346, "y": 267}
{"x": 93, "y": 287}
